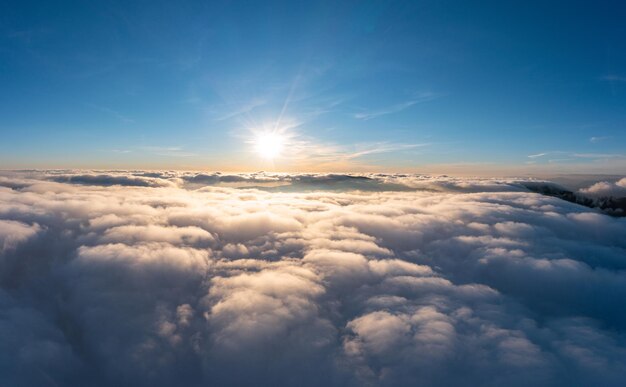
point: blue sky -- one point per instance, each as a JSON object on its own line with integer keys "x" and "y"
{"x": 499, "y": 87}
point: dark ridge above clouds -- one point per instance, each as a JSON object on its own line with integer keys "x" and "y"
{"x": 607, "y": 197}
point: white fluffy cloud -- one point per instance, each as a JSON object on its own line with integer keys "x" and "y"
{"x": 167, "y": 278}
{"x": 606, "y": 189}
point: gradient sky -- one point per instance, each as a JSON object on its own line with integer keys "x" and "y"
{"x": 390, "y": 86}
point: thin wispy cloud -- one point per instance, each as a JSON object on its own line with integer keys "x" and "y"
{"x": 420, "y": 98}
{"x": 380, "y": 147}
{"x": 312, "y": 152}
{"x": 572, "y": 156}
{"x": 598, "y": 155}
{"x": 614, "y": 78}
{"x": 560, "y": 160}
{"x": 168, "y": 151}
{"x": 28, "y": 35}
{"x": 243, "y": 109}
{"x": 597, "y": 139}
{"x": 111, "y": 112}
{"x": 322, "y": 107}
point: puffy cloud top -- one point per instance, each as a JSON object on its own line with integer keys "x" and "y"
{"x": 173, "y": 278}
{"x": 607, "y": 189}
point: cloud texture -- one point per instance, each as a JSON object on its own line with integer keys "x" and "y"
{"x": 166, "y": 278}
{"x": 607, "y": 189}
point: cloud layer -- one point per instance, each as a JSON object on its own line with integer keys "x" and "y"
{"x": 164, "y": 278}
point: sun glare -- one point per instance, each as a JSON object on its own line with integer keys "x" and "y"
{"x": 269, "y": 144}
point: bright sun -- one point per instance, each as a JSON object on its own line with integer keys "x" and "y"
{"x": 269, "y": 144}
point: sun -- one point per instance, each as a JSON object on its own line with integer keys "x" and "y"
{"x": 269, "y": 145}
